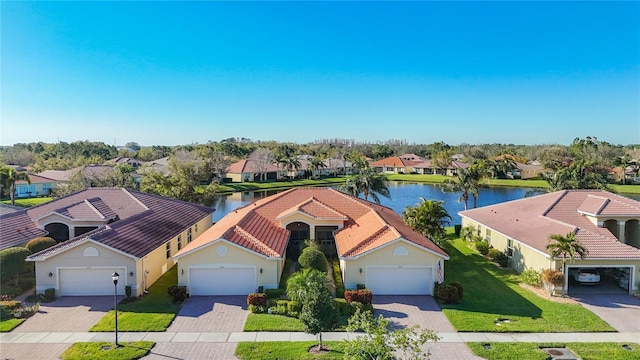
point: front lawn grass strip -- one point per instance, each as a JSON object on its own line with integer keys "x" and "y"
{"x": 281, "y": 323}
{"x": 533, "y": 351}
{"x": 492, "y": 293}
{"x": 107, "y": 351}
{"x": 10, "y": 324}
{"x": 153, "y": 312}
{"x": 285, "y": 350}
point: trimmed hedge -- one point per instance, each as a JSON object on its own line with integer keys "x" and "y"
{"x": 258, "y": 299}
{"x": 448, "y": 294}
{"x": 313, "y": 259}
{"x": 178, "y": 293}
{"x": 40, "y": 243}
{"x": 363, "y": 296}
{"x": 337, "y": 276}
{"x": 483, "y": 247}
{"x": 12, "y": 260}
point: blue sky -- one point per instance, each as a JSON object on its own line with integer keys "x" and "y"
{"x": 168, "y": 73}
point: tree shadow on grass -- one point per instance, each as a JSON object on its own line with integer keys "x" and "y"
{"x": 486, "y": 287}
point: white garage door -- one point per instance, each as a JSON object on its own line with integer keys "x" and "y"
{"x": 399, "y": 280}
{"x": 90, "y": 282}
{"x": 222, "y": 281}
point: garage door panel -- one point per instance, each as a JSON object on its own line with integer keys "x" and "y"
{"x": 222, "y": 281}
{"x": 399, "y": 280}
{"x": 89, "y": 282}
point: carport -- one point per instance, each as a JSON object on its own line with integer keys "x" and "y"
{"x": 613, "y": 280}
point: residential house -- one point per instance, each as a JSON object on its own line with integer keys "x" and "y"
{"x": 606, "y": 224}
{"x": 249, "y": 246}
{"x": 101, "y": 231}
{"x": 37, "y": 186}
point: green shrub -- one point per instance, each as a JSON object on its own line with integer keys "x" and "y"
{"x": 448, "y": 294}
{"x": 259, "y": 299}
{"x": 494, "y": 253}
{"x": 282, "y": 307}
{"x": 40, "y": 243}
{"x": 275, "y": 293}
{"x": 458, "y": 286}
{"x": 360, "y": 286}
{"x": 482, "y": 247}
{"x": 293, "y": 308}
{"x": 552, "y": 277}
{"x": 11, "y": 291}
{"x": 531, "y": 277}
{"x": 363, "y": 296}
{"x": 456, "y": 229}
{"x": 26, "y": 282}
{"x": 337, "y": 276}
{"x": 50, "y": 294}
{"x": 178, "y": 293}
{"x": 12, "y": 260}
{"x": 257, "y": 309}
{"x": 5, "y": 313}
{"x": 26, "y": 311}
{"x": 358, "y": 305}
{"x": 502, "y": 259}
{"x": 313, "y": 259}
{"x": 127, "y": 290}
{"x": 342, "y": 306}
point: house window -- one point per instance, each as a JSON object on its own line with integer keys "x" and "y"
{"x": 510, "y": 248}
{"x": 488, "y": 237}
{"x": 324, "y": 234}
{"x": 168, "y": 249}
{"x": 179, "y": 242}
{"x": 298, "y": 231}
{"x": 196, "y": 226}
{"x": 189, "y": 235}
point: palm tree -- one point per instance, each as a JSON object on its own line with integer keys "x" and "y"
{"x": 300, "y": 281}
{"x": 367, "y": 182}
{"x": 428, "y": 217}
{"x": 566, "y": 247}
{"x": 315, "y": 164}
{"x": 467, "y": 184}
{"x": 8, "y": 178}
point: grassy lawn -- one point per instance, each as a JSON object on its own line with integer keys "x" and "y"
{"x": 29, "y": 202}
{"x": 532, "y": 351}
{"x": 153, "y": 312}
{"x": 10, "y": 324}
{"x": 276, "y": 185}
{"x": 491, "y": 292}
{"x": 94, "y": 350}
{"x": 269, "y": 322}
{"x": 287, "y": 350}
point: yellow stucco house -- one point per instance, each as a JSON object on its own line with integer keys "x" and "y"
{"x": 105, "y": 230}
{"x": 248, "y": 247}
{"x": 606, "y": 224}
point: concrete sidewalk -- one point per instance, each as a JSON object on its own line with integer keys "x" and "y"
{"x": 234, "y": 337}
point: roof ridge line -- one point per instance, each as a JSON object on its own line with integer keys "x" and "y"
{"x": 86, "y": 201}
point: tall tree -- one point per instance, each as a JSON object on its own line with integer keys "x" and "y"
{"x": 313, "y": 289}
{"x": 566, "y": 247}
{"x": 428, "y": 217}
{"x": 368, "y": 183}
{"x": 8, "y": 178}
{"x": 262, "y": 157}
{"x": 467, "y": 184}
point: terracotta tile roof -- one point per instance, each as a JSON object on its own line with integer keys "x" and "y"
{"x": 17, "y": 228}
{"x": 257, "y": 226}
{"x": 395, "y": 161}
{"x": 8, "y": 209}
{"x": 57, "y": 175}
{"x": 135, "y": 223}
{"x": 249, "y": 166}
{"x": 532, "y": 220}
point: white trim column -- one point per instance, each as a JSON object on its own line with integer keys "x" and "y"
{"x": 621, "y": 234}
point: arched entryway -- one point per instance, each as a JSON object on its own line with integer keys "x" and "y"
{"x": 299, "y": 232}
{"x": 57, "y": 231}
{"x": 612, "y": 225}
{"x": 632, "y": 233}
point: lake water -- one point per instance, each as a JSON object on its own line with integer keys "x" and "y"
{"x": 402, "y": 195}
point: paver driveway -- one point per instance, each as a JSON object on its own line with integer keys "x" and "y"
{"x": 211, "y": 314}
{"x": 403, "y": 311}
{"x": 68, "y": 314}
{"x": 622, "y": 311}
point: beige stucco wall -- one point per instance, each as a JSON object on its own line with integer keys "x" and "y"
{"x": 209, "y": 256}
{"x": 73, "y": 258}
{"x": 383, "y": 256}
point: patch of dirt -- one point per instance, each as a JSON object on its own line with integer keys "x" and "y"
{"x": 545, "y": 295}
{"x": 317, "y": 350}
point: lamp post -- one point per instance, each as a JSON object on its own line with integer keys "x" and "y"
{"x": 115, "y": 276}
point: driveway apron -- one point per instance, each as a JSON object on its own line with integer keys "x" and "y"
{"x": 211, "y": 314}
{"x": 404, "y": 311}
{"x": 622, "y": 311}
{"x": 32, "y": 351}
{"x": 68, "y": 314}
